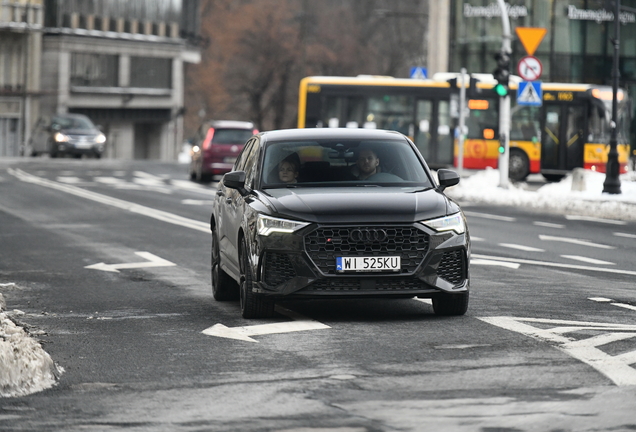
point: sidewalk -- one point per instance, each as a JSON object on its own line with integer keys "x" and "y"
{"x": 586, "y": 198}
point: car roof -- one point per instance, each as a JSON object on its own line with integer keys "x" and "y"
{"x": 330, "y": 133}
{"x": 230, "y": 124}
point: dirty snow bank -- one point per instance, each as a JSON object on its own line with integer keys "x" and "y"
{"x": 482, "y": 187}
{"x": 25, "y": 367}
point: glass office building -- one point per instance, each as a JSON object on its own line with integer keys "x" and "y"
{"x": 577, "y": 47}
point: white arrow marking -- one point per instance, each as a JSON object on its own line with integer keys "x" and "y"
{"x": 299, "y": 323}
{"x": 153, "y": 261}
{"x": 477, "y": 261}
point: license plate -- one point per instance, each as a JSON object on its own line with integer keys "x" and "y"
{"x": 83, "y": 144}
{"x": 368, "y": 264}
{"x": 229, "y": 160}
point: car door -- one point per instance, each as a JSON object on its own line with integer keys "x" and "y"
{"x": 230, "y": 212}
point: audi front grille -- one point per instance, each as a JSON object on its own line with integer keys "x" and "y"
{"x": 324, "y": 244}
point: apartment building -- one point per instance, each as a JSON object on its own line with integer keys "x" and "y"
{"x": 21, "y": 23}
{"x": 121, "y": 63}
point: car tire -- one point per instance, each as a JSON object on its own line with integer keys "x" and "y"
{"x": 223, "y": 286}
{"x": 519, "y": 165}
{"x": 450, "y": 304}
{"x": 252, "y": 306}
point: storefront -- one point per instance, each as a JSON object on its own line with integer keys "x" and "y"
{"x": 576, "y": 49}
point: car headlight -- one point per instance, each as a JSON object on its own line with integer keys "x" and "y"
{"x": 60, "y": 137}
{"x": 454, "y": 222}
{"x": 101, "y": 139}
{"x": 267, "y": 225}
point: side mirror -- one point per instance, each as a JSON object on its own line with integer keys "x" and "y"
{"x": 235, "y": 180}
{"x": 447, "y": 178}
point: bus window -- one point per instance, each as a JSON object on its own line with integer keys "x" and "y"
{"x": 525, "y": 125}
{"x": 423, "y": 119}
{"x": 444, "y": 135}
{"x": 392, "y": 112}
{"x": 478, "y": 120}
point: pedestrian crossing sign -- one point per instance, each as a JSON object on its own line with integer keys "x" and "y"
{"x": 418, "y": 72}
{"x": 529, "y": 93}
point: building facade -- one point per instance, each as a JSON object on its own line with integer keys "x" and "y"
{"x": 21, "y": 23}
{"x": 577, "y": 47}
{"x": 121, "y": 63}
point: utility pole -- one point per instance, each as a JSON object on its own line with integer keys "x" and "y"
{"x": 612, "y": 184}
{"x": 502, "y": 74}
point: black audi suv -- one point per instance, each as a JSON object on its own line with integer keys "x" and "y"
{"x": 337, "y": 213}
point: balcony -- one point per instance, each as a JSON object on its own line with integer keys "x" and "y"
{"x": 20, "y": 16}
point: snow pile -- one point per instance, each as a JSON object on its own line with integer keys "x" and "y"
{"x": 482, "y": 187}
{"x": 25, "y": 367}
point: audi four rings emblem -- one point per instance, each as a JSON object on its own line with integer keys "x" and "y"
{"x": 366, "y": 235}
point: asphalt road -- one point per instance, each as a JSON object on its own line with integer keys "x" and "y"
{"x": 548, "y": 342}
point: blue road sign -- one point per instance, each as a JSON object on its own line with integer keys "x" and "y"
{"x": 419, "y": 72}
{"x": 530, "y": 93}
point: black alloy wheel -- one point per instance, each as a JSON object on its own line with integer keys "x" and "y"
{"x": 252, "y": 306}
{"x": 450, "y": 304}
{"x": 554, "y": 178}
{"x": 52, "y": 150}
{"x": 223, "y": 286}
{"x": 519, "y": 165}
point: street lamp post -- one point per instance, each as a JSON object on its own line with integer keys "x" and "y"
{"x": 504, "y": 100}
{"x": 612, "y": 184}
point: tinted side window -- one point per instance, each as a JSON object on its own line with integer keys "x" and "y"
{"x": 251, "y": 162}
{"x": 239, "y": 165}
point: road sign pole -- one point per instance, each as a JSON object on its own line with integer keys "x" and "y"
{"x": 462, "y": 122}
{"x": 612, "y": 184}
{"x": 504, "y": 103}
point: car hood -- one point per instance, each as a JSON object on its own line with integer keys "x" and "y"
{"x": 345, "y": 205}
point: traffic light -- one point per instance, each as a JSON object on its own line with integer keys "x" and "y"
{"x": 502, "y": 73}
{"x": 474, "y": 92}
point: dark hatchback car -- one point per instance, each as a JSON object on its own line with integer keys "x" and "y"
{"x": 67, "y": 134}
{"x": 216, "y": 146}
{"x": 298, "y": 219}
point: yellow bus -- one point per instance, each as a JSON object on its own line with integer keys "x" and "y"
{"x": 570, "y": 129}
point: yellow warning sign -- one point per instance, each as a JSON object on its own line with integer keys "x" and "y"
{"x": 530, "y": 37}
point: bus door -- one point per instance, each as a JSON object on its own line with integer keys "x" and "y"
{"x": 562, "y": 139}
{"x": 433, "y": 132}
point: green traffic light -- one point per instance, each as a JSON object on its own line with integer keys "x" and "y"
{"x": 501, "y": 90}
{"x": 502, "y": 149}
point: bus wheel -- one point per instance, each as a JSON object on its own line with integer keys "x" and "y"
{"x": 519, "y": 165}
{"x": 553, "y": 177}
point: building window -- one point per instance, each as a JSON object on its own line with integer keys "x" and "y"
{"x": 94, "y": 70}
{"x": 150, "y": 72}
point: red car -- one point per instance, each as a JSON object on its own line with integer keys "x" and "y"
{"x": 216, "y": 146}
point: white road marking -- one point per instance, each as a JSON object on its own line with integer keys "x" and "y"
{"x": 424, "y": 300}
{"x": 114, "y": 202}
{"x": 558, "y": 265}
{"x": 477, "y": 239}
{"x": 616, "y": 368}
{"x": 575, "y": 241}
{"x": 600, "y": 299}
{"x": 489, "y": 216}
{"x": 69, "y": 179}
{"x": 487, "y": 262}
{"x": 299, "y": 323}
{"x": 521, "y": 247}
{"x": 588, "y": 260}
{"x": 595, "y": 219}
{"x": 620, "y": 234}
{"x": 153, "y": 261}
{"x": 548, "y": 225}
{"x": 625, "y": 306}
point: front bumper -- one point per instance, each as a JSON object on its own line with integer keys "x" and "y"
{"x": 303, "y": 264}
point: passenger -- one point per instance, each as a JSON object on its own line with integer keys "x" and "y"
{"x": 366, "y": 165}
{"x": 288, "y": 170}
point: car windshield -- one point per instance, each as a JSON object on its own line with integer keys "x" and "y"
{"x": 72, "y": 123}
{"x": 335, "y": 163}
{"x": 231, "y": 136}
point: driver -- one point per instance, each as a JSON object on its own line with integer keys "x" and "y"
{"x": 366, "y": 165}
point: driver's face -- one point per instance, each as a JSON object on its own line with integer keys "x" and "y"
{"x": 367, "y": 161}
